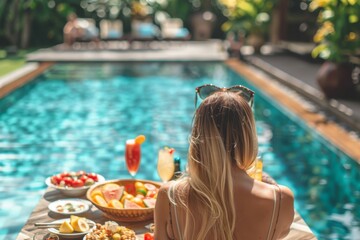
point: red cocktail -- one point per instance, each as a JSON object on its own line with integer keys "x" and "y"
{"x": 132, "y": 156}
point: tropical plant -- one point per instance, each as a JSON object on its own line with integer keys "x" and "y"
{"x": 248, "y": 16}
{"x": 338, "y": 36}
{"x": 25, "y": 21}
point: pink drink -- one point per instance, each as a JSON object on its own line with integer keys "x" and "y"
{"x": 132, "y": 156}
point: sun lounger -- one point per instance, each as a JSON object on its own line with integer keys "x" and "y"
{"x": 173, "y": 29}
{"x": 143, "y": 31}
{"x": 111, "y": 29}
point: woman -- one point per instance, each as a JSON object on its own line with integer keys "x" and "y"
{"x": 217, "y": 199}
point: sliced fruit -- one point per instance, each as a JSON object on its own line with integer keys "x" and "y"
{"x": 73, "y": 220}
{"x": 126, "y": 197}
{"x": 109, "y": 186}
{"x": 151, "y": 193}
{"x": 139, "y": 185}
{"x": 130, "y": 188}
{"x": 112, "y": 191}
{"x": 115, "y": 204}
{"x": 96, "y": 192}
{"x": 81, "y": 225}
{"x": 100, "y": 200}
{"x": 150, "y": 187}
{"x": 138, "y": 201}
{"x": 140, "y": 196}
{"x": 65, "y": 227}
{"x": 131, "y": 205}
{"x": 149, "y": 202}
{"x": 140, "y": 139}
{"x": 141, "y": 191}
{"x": 171, "y": 150}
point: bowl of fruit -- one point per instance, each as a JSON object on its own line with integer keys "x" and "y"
{"x": 127, "y": 200}
{"x": 74, "y": 184}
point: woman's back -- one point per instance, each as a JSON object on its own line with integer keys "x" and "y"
{"x": 217, "y": 199}
{"x": 256, "y": 209}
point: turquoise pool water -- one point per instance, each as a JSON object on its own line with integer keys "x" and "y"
{"x": 78, "y": 116}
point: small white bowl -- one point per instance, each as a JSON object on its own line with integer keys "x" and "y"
{"x": 73, "y": 191}
{"x": 79, "y": 206}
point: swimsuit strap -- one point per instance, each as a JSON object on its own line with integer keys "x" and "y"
{"x": 278, "y": 212}
{"x": 273, "y": 214}
{"x": 172, "y": 190}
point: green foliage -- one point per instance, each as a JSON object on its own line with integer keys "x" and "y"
{"x": 248, "y": 16}
{"x": 338, "y": 36}
{"x": 37, "y": 22}
{"x": 11, "y": 63}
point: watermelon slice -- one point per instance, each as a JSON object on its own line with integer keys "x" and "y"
{"x": 112, "y": 191}
{"x": 149, "y": 202}
{"x": 131, "y": 205}
{"x": 150, "y": 187}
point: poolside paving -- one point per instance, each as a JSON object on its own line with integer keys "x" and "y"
{"x": 299, "y": 72}
{"x": 212, "y": 50}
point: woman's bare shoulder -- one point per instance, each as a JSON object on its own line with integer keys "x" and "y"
{"x": 286, "y": 194}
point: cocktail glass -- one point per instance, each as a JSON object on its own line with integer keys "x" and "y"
{"x": 165, "y": 164}
{"x": 132, "y": 156}
{"x": 255, "y": 170}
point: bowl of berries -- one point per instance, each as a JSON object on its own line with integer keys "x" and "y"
{"x": 74, "y": 184}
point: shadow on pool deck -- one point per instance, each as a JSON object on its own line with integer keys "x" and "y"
{"x": 299, "y": 73}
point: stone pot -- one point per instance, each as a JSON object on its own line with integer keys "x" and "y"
{"x": 335, "y": 80}
{"x": 256, "y": 40}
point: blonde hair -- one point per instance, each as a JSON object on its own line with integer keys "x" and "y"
{"x": 223, "y": 136}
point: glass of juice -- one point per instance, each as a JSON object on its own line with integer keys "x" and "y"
{"x": 132, "y": 156}
{"x": 255, "y": 170}
{"x": 258, "y": 169}
{"x": 166, "y": 164}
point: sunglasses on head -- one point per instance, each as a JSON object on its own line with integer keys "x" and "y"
{"x": 206, "y": 90}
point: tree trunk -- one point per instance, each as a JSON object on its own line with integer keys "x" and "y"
{"x": 12, "y": 21}
{"x": 26, "y": 31}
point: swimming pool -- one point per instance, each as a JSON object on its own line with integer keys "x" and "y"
{"x": 78, "y": 116}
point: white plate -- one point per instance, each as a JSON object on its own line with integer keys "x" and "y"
{"x": 75, "y": 202}
{"x": 73, "y": 192}
{"x": 69, "y": 235}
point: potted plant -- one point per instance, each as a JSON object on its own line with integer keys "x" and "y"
{"x": 250, "y": 17}
{"x": 338, "y": 39}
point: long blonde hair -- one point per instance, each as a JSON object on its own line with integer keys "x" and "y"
{"x": 223, "y": 136}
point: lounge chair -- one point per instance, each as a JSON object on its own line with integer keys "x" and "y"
{"x": 111, "y": 29}
{"x": 173, "y": 29}
{"x": 144, "y": 31}
{"x": 88, "y": 30}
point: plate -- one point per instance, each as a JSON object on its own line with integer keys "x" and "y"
{"x": 69, "y": 206}
{"x": 73, "y": 191}
{"x": 69, "y": 235}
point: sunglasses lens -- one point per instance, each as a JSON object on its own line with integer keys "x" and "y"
{"x": 243, "y": 92}
{"x": 206, "y": 91}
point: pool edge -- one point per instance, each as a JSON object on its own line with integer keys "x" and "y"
{"x": 13, "y": 81}
{"x": 328, "y": 129}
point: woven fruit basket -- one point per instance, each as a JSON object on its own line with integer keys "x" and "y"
{"x": 128, "y": 211}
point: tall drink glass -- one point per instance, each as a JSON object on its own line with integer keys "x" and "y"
{"x": 255, "y": 170}
{"x": 166, "y": 165}
{"x": 132, "y": 156}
